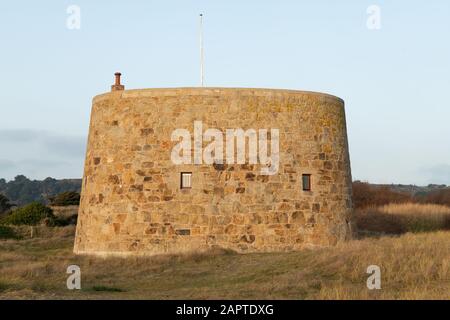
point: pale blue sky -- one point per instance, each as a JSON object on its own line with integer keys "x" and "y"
{"x": 395, "y": 81}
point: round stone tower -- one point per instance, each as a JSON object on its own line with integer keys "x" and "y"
{"x": 138, "y": 197}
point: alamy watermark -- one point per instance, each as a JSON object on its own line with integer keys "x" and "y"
{"x": 74, "y": 280}
{"x": 374, "y": 19}
{"x": 374, "y": 280}
{"x": 235, "y": 144}
{"x": 73, "y": 21}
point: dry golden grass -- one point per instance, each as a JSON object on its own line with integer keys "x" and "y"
{"x": 402, "y": 218}
{"x": 415, "y": 208}
{"x": 414, "y": 266}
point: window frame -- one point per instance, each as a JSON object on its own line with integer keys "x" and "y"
{"x": 182, "y": 187}
{"x": 309, "y": 186}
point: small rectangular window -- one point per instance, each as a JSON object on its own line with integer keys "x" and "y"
{"x": 186, "y": 180}
{"x": 306, "y": 181}
{"x": 183, "y": 232}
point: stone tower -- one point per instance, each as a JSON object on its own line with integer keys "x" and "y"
{"x": 136, "y": 200}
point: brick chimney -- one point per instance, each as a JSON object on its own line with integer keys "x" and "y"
{"x": 117, "y": 86}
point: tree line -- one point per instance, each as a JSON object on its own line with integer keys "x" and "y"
{"x": 22, "y": 191}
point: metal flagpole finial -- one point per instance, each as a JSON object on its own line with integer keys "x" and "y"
{"x": 202, "y": 77}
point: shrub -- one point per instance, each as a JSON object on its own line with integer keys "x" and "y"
{"x": 69, "y": 198}
{"x": 31, "y": 214}
{"x": 366, "y": 195}
{"x": 5, "y": 205}
{"x": 441, "y": 196}
{"x": 66, "y": 221}
{"x": 7, "y": 233}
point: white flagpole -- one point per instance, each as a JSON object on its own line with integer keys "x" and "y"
{"x": 202, "y": 81}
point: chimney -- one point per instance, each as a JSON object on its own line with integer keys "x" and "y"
{"x": 117, "y": 86}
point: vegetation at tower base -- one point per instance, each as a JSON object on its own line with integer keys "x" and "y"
{"x": 413, "y": 266}
{"x": 36, "y": 259}
{"x": 131, "y": 200}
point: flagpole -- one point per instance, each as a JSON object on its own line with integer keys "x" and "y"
{"x": 202, "y": 79}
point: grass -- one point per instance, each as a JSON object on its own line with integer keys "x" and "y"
{"x": 107, "y": 289}
{"x": 413, "y": 266}
{"x": 402, "y": 218}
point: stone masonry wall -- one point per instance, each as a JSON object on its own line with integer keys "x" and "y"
{"x": 131, "y": 200}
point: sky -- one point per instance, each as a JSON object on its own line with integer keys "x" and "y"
{"x": 395, "y": 80}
